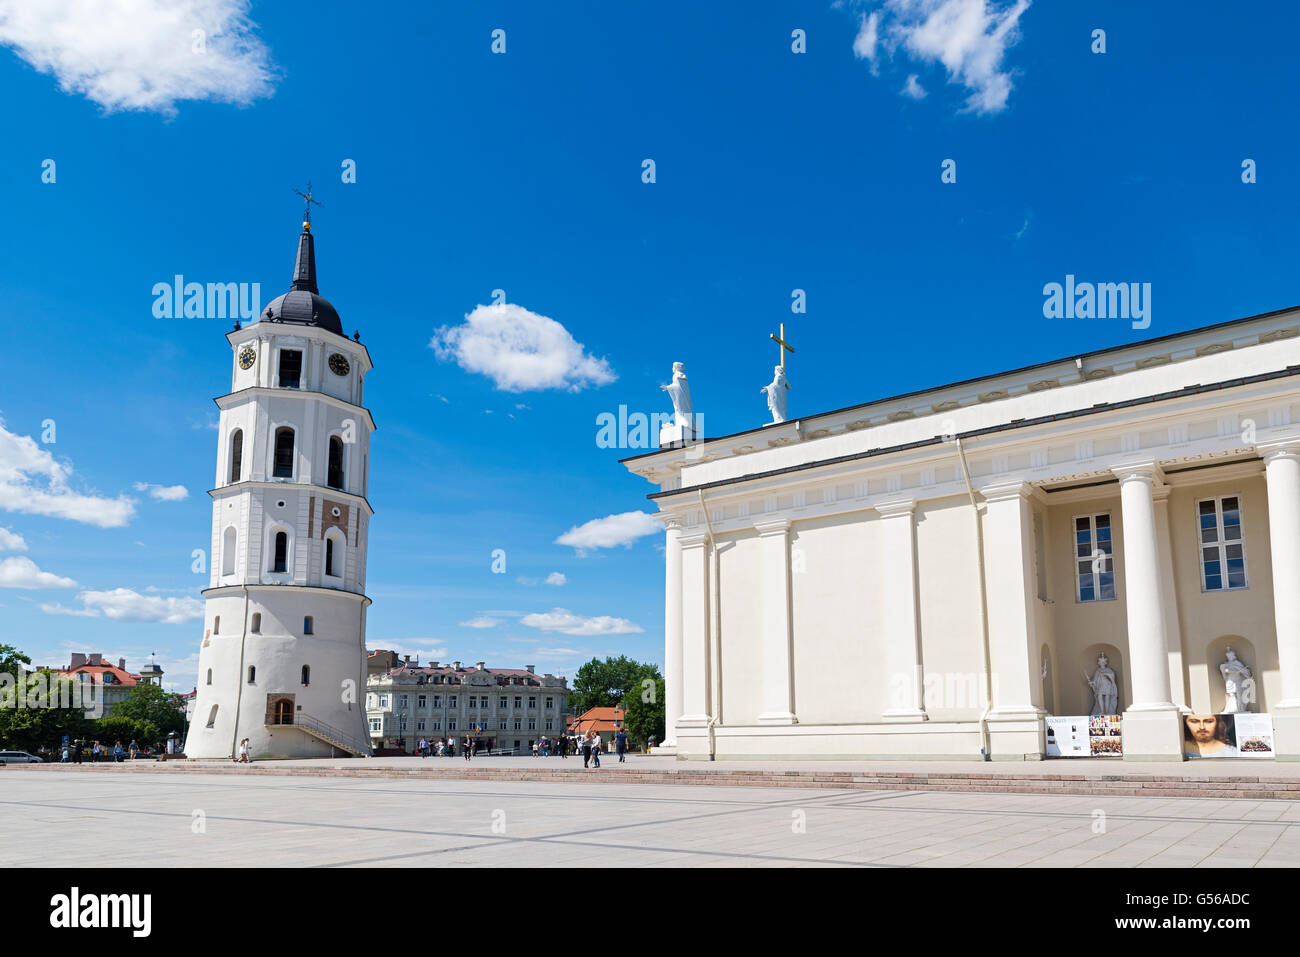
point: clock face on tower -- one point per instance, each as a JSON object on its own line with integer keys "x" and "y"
{"x": 339, "y": 364}
{"x": 246, "y": 357}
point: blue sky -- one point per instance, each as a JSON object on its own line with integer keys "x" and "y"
{"x": 522, "y": 171}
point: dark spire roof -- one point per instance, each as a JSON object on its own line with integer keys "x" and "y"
{"x": 304, "y": 269}
{"x": 303, "y": 304}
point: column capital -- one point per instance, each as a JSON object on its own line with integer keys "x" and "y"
{"x": 693, "y": 540}
{"x": 1004, "y": 491}
{"x": 896, "y": 508}
{"x": 777, "y": 527}
{"x": 671, "y": 523}
{"x": 1280, "y": 449}
{"x": 1148, "y": 471}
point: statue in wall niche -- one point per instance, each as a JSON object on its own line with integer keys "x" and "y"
{"x": 1105, "y": 690}
{"x": 776, "y": 397}
{"x": 1238, "y": 684}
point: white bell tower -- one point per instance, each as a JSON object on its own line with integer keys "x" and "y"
{"x": 283, "y": 656}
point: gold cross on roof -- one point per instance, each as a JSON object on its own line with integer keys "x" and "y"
{"x": 782, "y": 346}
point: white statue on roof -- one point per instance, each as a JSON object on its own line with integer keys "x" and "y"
{"x": 776, "y": 397}
{"x": 682, "y": 428}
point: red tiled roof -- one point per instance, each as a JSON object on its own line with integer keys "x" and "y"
{"x": 124, "y": 678}
{"x": 598, "y": 719}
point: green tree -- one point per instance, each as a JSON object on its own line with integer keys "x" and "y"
{"x": 604, "y": 684}
{"x": 116, "y": 728}
{"x": 12, "y": 661}
{"x": 148, "y": 702}
{"x": 645, "y": 712}
{"x": 42, "y": 729}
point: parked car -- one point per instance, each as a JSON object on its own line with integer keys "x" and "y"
{"x": 19, "y": 757}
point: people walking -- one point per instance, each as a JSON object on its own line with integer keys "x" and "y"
{"x": 586, "y": 750}
{"x": 595, "y": 749}
{"x": 243, "y": 752}
{"x": 132, "y": 749}
{"x": 466, "y": 747}
{"x": 620, "y": 745}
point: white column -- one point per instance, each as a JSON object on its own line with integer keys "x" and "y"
{"x": 672, "y": 632}
{"x": 1012, "y": 595}
{"x": 1282, "y": 473}
{"x": 775, "y": 639}
{"x": 1148, "y": 661}
{"x": 695, "y": 633}
{"x": 1152, "y": 725}
{"x": 1173, "y": 625}
{"x": 899, "y": 611}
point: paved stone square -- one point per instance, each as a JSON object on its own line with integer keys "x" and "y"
{"x": 53, "y": 817}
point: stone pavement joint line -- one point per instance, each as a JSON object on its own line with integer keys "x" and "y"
{"x": 1197, "y": 785}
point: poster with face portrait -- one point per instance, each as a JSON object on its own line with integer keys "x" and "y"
{"x": 1241, "y": 735}
{"x": 1067, "y": 737}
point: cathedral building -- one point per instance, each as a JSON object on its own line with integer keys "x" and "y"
{"x": 283, "y": 657}
{"x": 934, "y": 575}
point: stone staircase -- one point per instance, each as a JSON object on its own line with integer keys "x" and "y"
{"x": 327, "y": 733}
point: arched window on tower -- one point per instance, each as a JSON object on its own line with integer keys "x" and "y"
{"x": 257, "y": 623}
{"x": 236, "y": 455}
{"x": 329, "y": 558}
{"x": 280, "y": 561}
{"x": 306, "y": 674}
{"x": 283, "y": 467}
{"x": 209, "y": 676}
{"x": 335, "y": 476}
{"x": 228, "y": 542}
{"x": 252, "y": 674}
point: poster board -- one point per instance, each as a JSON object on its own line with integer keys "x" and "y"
{"x": 1240, "y": 735}
{"x": 1067, "y": 737}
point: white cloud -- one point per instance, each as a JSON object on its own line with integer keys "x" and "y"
{"x": 123, "y": 604}
{"x": 969, "y": 38}
{"x": 621, "y": 529}
{"x": 420, "y": 649}
{"x": 11, "y": 541}
{"x": 556, "y": 578}
{"x": 142, "y": 54}
{"x": 566, "y": 622}
{"x": 520, "y": 350}
{"x": 20, "y": 572}
{"x": 34, "y": 482}
{"x": 164, "y": 493}
{"x": 481, "y": 622}
{"x": 57, "y": 609}
{"x": 864, "y": 44}
{"x": 913, "y": 89}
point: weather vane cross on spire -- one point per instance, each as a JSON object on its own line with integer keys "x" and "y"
{"x": 308, "y": 203}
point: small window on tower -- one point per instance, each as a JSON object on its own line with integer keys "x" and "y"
{"x": 329, "y": 558}
{"x": 306, "y": 626}
{"x": 216, "y": 625}
{"x": 252, "y": 674}
{"x": 306, "y": 674}
{"x": 257, "y": 622}
{"x": 335, "y": 476}
{"x": 212, "y": 716}
{"x": 281, "y": 562}
{"x": 290, "y": 368}
{"x": 283, "y": 453}
{"x": 236, "y": 455}
{"x": 209, "y": 676}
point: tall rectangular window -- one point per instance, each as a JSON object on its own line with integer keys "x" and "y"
{"x": 290, "y": 368}
{"x": 1094, "y": 558}
{"x": 1223, "y": 551}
